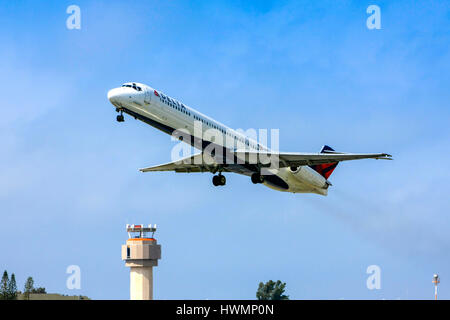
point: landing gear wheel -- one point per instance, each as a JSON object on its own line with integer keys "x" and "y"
{"x": 257, "y": 178}
{"x": 219, "y": 180}
{"x": 120, "y": 117}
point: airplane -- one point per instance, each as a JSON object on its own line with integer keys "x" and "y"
{"x": 294, "y": 172}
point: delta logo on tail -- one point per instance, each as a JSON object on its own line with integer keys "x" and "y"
{"x": 326, "y": 169}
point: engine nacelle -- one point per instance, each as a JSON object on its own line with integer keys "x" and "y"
{"x": 309, "y": 176}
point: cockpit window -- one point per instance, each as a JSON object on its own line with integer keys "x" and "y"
{"x": 134, "y": 86}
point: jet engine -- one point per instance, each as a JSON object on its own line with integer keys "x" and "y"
{"x": 309, "y": 176}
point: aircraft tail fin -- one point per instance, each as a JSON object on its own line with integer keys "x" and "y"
{"x": 326, "y": 169}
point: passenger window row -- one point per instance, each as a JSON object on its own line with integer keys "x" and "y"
{"x": 246, "y": 141}
{"x": 182, "y": 108}
{"x": 174, "y": 104}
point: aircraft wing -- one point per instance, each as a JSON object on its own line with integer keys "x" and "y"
{"x": 188, "y": 164}
{"x": 197, "y": 163}
{"x": 287, "y": 159}
{"x": 203, "y": 163}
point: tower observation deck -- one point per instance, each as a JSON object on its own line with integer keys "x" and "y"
{"x": 141, "y": 253}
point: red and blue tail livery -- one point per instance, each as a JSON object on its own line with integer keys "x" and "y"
{"x": 326, "y": 169}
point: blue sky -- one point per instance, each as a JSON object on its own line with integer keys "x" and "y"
{"x": 69, "y": 180}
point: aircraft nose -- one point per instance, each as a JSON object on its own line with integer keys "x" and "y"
{"x": 113, "y": 95}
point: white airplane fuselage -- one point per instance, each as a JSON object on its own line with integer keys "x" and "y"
{"x": 167, "y": 114}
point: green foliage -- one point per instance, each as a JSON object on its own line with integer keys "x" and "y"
{"x": 29, "y": 287}
{"x": 8, "y": 287}
{"x": 12, "y": 288}
{"x": 271, "y": 291}
{"x": 38, "y": 290}
{"x": 4, "y": 286}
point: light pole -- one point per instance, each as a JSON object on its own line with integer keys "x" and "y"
{"x": 436, "y": 281}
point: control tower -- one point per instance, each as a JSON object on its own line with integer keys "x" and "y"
{"x": 141, "y": 254}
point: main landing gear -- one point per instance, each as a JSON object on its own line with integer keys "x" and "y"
{"x": 120, "y": 117}
{"x": 257, "y": 178}
{"x": 219, "y": 180}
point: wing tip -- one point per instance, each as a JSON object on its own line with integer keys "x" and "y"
{"x": 385, "y": 156}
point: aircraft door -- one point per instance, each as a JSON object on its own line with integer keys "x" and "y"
{"x": 147, "y": 96}
{"x": 155, "y": 108}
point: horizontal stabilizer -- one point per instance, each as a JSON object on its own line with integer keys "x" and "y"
{"x": 288, "y": 159}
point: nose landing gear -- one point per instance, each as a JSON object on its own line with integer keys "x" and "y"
{"x": 120, "y": 117}
{"x": 219, "y": 180}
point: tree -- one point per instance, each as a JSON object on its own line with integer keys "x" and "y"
{"x": 12, "y": 288}
{"x": 271, "y": 291}
{"x": 38, "y": 290}
{"x": 29, "y": 286}
{"x": 4, "y": 286}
